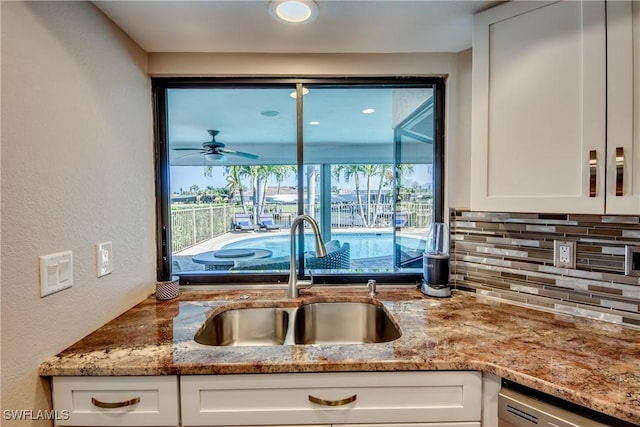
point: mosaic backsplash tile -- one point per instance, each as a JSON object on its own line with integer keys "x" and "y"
{"x": 510, "y": 256}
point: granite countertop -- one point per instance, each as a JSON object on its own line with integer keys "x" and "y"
{"x": 591, "y": 363}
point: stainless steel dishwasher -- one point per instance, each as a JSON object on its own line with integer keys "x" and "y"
{"x": 519, "y": 410}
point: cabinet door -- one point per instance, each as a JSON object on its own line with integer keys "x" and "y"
{"x": 623, "y": 111}
{"x": 539, "y": 107}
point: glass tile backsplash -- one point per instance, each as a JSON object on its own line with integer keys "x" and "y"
{"x": 510, "y": 256}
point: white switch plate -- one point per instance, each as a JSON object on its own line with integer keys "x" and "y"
{"x": 104, "y": 259}
{"x": 564, "y": 254}
{"x": 56, "y": 272}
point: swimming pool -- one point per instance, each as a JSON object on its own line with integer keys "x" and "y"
{"x": 362, "y": 245}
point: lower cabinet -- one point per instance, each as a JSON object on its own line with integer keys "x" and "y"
{"x": 347, "y": 399}
{"x": 116, "y": 401}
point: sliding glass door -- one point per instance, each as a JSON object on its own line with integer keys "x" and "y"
{"x": 358, "y": 136}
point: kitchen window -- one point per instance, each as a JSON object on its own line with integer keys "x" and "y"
{"x": 239, "y": 159}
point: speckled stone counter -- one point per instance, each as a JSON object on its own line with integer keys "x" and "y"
{"x": 591, "y": 363}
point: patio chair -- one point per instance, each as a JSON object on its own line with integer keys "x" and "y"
{"x": 402, "y": 219}
{"x": 266, "y": 222}
{"x": 338, "y": 257}
{"x": 242, "y": 222}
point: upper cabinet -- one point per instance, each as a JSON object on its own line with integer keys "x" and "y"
{"x": 623, "y": 107}
{"x": 542, "y": 129}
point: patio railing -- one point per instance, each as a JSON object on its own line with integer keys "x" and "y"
{"x": 191, "y": 226}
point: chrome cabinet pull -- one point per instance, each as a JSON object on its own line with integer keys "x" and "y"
{"x": 619, "y": 171}
{"x": 593, "y": 167}
{"x": 110, "y": 405}
{"x": 340, "y": 402}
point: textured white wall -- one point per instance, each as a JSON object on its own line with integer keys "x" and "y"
{"x": 77, "y": 169}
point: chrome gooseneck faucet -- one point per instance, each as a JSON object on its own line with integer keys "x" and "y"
{"x": 293, "y": 289}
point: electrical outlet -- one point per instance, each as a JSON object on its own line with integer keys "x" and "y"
{"x": 564, "y": 254}
{"x": 632, "y": 261}
{"x": 104, "y": 259}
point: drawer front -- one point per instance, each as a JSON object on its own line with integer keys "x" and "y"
{"x": 440, "y": 424}
{"x": 138, "y": 401}
{"x": 306, "y": 398}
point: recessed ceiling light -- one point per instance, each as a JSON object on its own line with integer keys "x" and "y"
{"x": 269, "y": 113}
{"x": 304, "y": 92}
{"x": 314, "y": 123}
{"x": 368, "y": 111}
{"x": 294, "y": 11}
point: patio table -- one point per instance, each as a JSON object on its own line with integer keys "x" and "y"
{"x": 224, "y": 259}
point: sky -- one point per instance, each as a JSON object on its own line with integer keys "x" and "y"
{"x": 183, "y": 177}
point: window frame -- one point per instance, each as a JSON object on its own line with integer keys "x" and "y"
{"x": 160, "y": 85}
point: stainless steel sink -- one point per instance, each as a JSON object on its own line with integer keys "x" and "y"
{"x": 245, "y": 326}
{"x": 343, "y": 323}
{"x": 314, "y": 323}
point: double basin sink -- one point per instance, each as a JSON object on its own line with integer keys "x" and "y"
{"x": 311, "y": 323}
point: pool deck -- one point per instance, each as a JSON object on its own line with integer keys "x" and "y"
{"x": 184, "y": 257}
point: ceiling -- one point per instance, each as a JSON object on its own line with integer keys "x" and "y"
{"x": 392, "y": 26}
{"x": 341, "y": 26}
{"x": 263, "y": 121}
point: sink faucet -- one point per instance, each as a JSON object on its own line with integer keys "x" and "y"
{"x": 293, "y": 289}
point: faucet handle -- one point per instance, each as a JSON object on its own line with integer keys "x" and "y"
{"x": 306, "y": 284}
{"x": 371, "y": 287}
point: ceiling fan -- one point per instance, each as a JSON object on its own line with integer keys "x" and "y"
{"x": 215, "y": 151}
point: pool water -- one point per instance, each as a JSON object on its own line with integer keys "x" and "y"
{"x": 362, "y": 245}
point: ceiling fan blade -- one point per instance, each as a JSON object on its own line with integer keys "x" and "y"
{"x": 188, "y": 155}
{"x": 238, "y": 153}
{"x": 189, "y": 149}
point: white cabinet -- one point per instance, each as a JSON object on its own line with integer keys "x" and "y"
{"x": 623, "y": 112}
{"x": 348, "y": 398}
{"x": 546, "y": 121}
{"x": 116, "y": 401}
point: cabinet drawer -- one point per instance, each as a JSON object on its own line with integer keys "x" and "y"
{"x": 360, "y": 397}
{"x": 143, "y": 401}
{"x": 440, "y": 424}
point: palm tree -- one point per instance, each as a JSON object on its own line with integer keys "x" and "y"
{"x": 281, "y": 172}
{"x": 263, "y": 174}
{"x": 369, "y": 172}
{"x": 386, "y": 179}
{"x": 234, "y": 184}
{"x": 351, "y": 171}
{"x": 403, "y": 170}
{"x": 258, "y": 175}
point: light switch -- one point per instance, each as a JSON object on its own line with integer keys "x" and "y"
{"x": 64, "y": 270}
{"x": 56, "y": 272}
{"x": 52, "y": 275}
